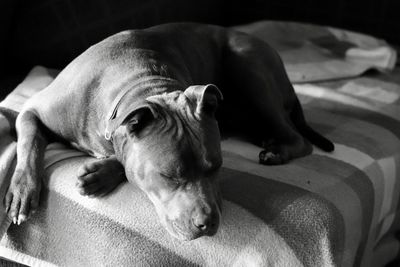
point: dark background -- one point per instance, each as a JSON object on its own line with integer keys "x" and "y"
{"x": 53, "y": 32}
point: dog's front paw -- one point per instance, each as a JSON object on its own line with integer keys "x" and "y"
{"x": 99, "y": 178}
{"x": 22, "y": 197}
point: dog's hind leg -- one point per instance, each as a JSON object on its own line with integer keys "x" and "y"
{"x": 22, "y": 197}
{"x": 262, "y": 90}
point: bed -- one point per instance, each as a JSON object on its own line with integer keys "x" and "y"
{"x": 326, "y": 209}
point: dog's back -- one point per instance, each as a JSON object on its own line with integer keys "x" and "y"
{"x": 82, "y": 93}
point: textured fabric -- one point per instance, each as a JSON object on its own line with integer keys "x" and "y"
{"x": 326, "y": 209}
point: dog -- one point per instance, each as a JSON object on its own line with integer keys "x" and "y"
{"x": 144, "y": 102}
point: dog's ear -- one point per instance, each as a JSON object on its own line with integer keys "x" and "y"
{"x": 135, "y": 119}
{"x": 206, "y": 97}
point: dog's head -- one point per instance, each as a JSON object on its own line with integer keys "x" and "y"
{"x": 170, "y": 147}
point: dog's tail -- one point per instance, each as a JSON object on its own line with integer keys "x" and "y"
{"x": 314, "y": 137}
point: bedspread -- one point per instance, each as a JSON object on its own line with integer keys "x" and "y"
{"x": 326, "y": 209}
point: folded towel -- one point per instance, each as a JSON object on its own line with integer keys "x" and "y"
{"x": 316, "y": 53}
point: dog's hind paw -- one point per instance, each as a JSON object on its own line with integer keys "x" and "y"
{"x": 98, "y": 178}
{"x": 269, "y": 158}
{"x": 272, "y": 155}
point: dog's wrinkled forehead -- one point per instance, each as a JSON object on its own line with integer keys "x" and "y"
{"x": 186, "y": 118}
{"x": 173, "y": 101}
{"x": 196, "y": 100}
{"x": 177, "y": 119}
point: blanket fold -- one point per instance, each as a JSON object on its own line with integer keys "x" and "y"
{"x": 316, "y": 53}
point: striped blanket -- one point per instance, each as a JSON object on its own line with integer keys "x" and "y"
{"x": 326, "y": 209}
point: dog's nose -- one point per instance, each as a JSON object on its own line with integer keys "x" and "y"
{"x": 205, "y": 222}
{"x": 202, "y": 222}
